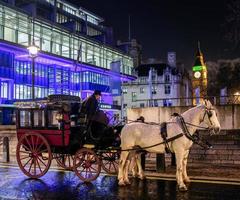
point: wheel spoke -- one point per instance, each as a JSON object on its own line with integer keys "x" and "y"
{"x": 27, "y": 162}
{"x": 39, "y": 166}
{"x": 115, "y": 168}
{"x": 37, "y": 142}
{"x": 22, "y": 158}
{"x": 110, "y": 164}
{"x": 32, "y": 140}
{"x": 93, "y": 168}
{"x": 30, "y": 166}
{"x": 24, "y": 146}
{"x": 41, "y": 161}
{"x": 38, "y": 148}
{"x": 27, "y": 152}
{"x": 42, "y": 151}
{"x": 30, "y": 147}
{"x": 34, "y": 166}
{"x": 90, "y": 172}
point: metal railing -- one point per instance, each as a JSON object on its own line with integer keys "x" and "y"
{"x": 165, "y": 102}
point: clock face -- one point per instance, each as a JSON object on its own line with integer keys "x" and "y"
{"x": 197, "y": 74}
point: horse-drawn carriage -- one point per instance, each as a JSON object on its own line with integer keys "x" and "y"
{"x": 55, "y": 129}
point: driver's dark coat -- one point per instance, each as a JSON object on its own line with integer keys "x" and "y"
{"x": 90, "y": 106}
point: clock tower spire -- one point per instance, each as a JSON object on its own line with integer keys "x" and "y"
{"x": 199, "y": 79}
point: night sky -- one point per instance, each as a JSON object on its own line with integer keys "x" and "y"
{"x": 166, "y": 25}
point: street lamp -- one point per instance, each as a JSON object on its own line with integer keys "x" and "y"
{"x": 33, "y": 51}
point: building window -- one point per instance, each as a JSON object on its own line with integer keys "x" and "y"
{"x": 167, "y": 89}
{"x": 154, "y": 89}
{"x": 167, "y": 102}
{"x": 167, "y": 78}
{"x": 142, "y": 105}
{"x": 9, "y": 34}
{"x": 61, "y": 18}
{"x": 115, "y": 102}
{"x": 134, "y": 96}
{"x": 4, "y": 90}
{"x": 92, "y": 32}
{"x": 141, "y": 90}
{"x": 124, "y": 90}
{"x": 143, "y": 80}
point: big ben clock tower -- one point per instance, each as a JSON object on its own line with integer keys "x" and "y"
{"x": 199, "y": 78}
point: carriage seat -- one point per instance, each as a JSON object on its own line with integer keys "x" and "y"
{"x": 82, "y": 119}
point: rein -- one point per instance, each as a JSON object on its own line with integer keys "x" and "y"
{"x": 158, "y": 124}
{"x": 168, "y": 140}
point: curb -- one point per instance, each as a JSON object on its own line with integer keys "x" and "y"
{"x": 196, "y": 178}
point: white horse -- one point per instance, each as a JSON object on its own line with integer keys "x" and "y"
{"x": 143, "y": 135}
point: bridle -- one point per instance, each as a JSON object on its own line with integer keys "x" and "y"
{"x": 208, "y": 113}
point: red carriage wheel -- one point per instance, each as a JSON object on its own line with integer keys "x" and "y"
{"x": 87, "y": 165}
{"x": 110, "y": 162}
{"x": 33, "y": 155}
{"x": 65, "y": 161}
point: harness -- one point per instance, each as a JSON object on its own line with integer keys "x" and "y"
{"x": 194, "y": 138}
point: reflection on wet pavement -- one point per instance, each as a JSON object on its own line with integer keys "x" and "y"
{"x": 65, "y": 185}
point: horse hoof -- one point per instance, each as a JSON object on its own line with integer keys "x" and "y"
{"x": 121, "y": 183}
{"x": 142, "y": 177}
{"x": 134, "y": 175}
{"x": 187, "y": 180}
{"x": 182, "y": 188}
{"x": 127, "y": 182}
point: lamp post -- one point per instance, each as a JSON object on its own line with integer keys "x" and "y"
{"x": 33, "y": 51}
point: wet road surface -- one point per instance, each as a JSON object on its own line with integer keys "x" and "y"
{"x": 62, "y": 185}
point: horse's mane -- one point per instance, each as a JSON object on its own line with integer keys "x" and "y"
{"x": 190, "y": 111}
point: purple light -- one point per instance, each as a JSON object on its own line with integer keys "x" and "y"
{"x": 21, "y": 53}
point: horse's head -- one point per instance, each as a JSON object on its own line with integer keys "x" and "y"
{"x": 209, "y": 116}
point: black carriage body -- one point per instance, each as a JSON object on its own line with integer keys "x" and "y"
{"x": 59, "y": 121}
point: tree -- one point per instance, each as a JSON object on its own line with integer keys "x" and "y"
{"x": 232, "y": 25}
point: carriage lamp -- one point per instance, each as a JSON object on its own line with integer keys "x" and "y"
{"x": 33, "y": 52}
{"x": 59, "y": 117}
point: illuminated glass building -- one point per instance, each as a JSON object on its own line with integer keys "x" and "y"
{"x": 76, "y": 51}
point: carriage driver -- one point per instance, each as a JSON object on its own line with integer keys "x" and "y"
{"x": 90, "y": 105}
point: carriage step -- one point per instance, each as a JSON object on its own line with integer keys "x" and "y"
{"x": 89, "y": 146}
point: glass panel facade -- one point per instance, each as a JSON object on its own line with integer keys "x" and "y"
{"x": 17, "y": 27}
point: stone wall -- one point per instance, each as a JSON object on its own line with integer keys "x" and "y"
{"x": 10, "y": 132}
{"x": 229, "y": 115}
{"x": 225, "y": 151}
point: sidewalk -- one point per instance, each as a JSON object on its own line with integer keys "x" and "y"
{"x": 200, "y": 172}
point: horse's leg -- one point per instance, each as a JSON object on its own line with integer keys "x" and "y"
{"x": 185, "y": 176}
{"x": 122, "y": 162}
{"x": 134, "y": 166}
{"x": 139, "y": 165}
{"x": 179, "y": 170}
{"x": 131, "y": 156}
